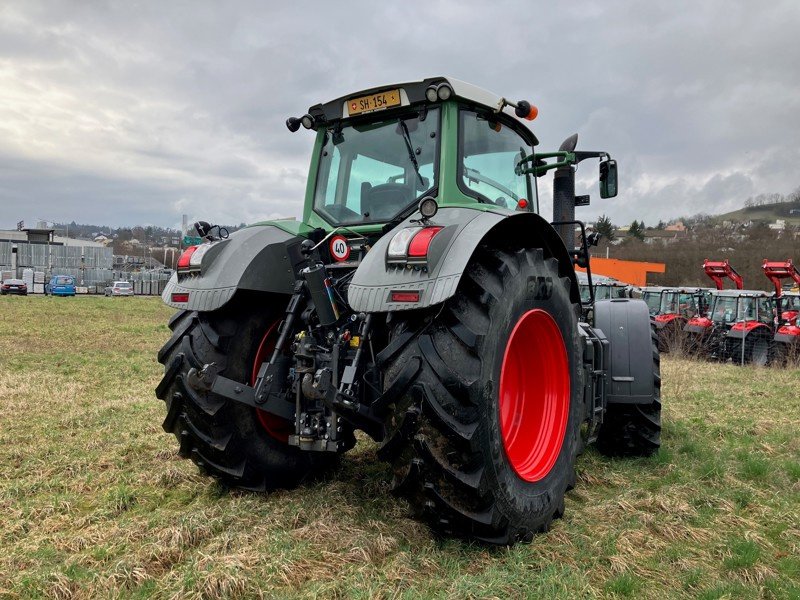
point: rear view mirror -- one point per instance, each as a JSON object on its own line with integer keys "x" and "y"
{"x": 608, "y": 178}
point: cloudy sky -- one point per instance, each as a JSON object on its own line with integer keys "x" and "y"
{"x": 128, "y": 112}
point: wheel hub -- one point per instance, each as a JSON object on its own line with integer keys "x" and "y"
{"x": 278, "y": 428}
{"x": 534, "y": 395}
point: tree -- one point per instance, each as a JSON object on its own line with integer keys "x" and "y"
{"x": 605, "y": 227}
{"x": 636, "y": 230}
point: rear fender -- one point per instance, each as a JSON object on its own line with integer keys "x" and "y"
{"x": 262, "y": 258}
{"x": 662, "y": 321}
{"x": 742, "y": 330}
{"x": 448, "y": 256}
{"x": 626, "y": 324}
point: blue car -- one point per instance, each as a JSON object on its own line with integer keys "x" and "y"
{"x": 61, "y": 285}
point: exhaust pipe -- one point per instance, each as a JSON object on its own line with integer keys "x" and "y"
{"x": 564, "y": 195}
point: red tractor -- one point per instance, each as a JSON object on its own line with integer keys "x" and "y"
{"x": 740, "y": 324}
{"x": 676, "y": 307}
{"x": 787, "y": 305}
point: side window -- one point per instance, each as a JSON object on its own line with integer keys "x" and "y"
{"x": 765, "y": 312}
{"x": 333, "y": 177}
{"x": 489, "y": 152}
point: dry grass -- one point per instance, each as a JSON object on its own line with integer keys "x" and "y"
{"x": 95, "y": 503}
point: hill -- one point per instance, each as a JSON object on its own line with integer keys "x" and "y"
{"x": 765, "y": 213}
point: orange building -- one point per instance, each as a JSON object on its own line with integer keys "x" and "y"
{"x": 630, "y": 271}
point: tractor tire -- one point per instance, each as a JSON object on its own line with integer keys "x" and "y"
{"x": 634, "y": 429}
{"x": 487, "y": 423}
{"x": 757, "y": 349}
{"x": 234, "y": 443}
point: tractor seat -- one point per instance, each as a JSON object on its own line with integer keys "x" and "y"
{"x": 382, "y": 202}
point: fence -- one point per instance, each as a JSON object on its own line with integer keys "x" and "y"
{"x": 91, "y": 267}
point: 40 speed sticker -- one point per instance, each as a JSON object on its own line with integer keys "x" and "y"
{"x": 339, "y": 248}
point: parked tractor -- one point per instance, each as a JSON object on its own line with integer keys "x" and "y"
{"x": 677, "y": 307}
{"x": 740, "y": 324}
{"x": 605, "y": 288}
{"x": 739, "y": 327}
{"x": 652, "y": 297}
{"x": 786, "y": 344}
{"x": 423, "y": 300}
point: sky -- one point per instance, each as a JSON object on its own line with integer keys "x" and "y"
{"x": 126, "y": 113}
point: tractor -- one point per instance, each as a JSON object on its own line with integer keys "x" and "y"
{"x": 786, "y": 343}
{"x": 739, "y": 325}
{"x": 677, "y": 307}
{"x": 604, "y": 288}
{"x": 422, "y": 301}
{"x": 652, "y": 297}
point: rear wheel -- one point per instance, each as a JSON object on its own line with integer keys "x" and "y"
{"x": 485, "y": 436}
{"x": 237, "y": 444}
{"x": 757, "y": 348}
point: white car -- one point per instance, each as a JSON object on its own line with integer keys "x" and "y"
{"x": 120, "y": 288}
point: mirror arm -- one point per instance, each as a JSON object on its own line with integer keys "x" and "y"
{"x": 567, "y": 158}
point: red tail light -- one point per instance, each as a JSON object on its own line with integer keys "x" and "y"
{"x": 180, "y": 297}
{"x": 419, "y": 245}
{"x": 183, "y": 261}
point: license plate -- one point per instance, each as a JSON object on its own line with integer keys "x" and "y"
{"x": 373, "y": 102}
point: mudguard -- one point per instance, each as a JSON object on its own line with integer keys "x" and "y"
{"x": 448, "y": 256}
{"x": 743, "y": 329}
{"x": 662, "y": 321}
{"x": 261, "y": 258}
{"x": 788, "y": 334}
{"x": 626, "y": 325}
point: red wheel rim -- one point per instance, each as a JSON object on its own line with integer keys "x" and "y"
{"x": 534, "y": 395}
{"x": 276, "y": 427}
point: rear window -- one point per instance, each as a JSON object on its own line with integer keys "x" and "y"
{"x": 122, "y": 284}
{"x": 64, "y": 281}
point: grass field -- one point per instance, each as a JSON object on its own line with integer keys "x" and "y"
{"x": 95, "y": 503}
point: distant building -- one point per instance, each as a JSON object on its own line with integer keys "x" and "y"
{"x": 679, "y": 226}
{"x": 778, "y": 225}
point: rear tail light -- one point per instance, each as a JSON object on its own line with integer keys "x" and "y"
{"x": 180, "y": 297}
{"x": 411, "y": 244}
{"x": 192, "y": 257}
{"x": 398, "y": 246}
{"x": 421, "y": 242}
{"x": 183, "y": 261}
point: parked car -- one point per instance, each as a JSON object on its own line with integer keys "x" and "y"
{"x": 14, "y": 286}
{"x": 60, "y": 285}
{"x": 120, "y": 288}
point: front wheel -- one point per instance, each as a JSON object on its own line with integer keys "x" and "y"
{"x": 484, "y": 438}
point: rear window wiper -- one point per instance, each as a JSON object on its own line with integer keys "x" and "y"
{"x": 411, "y": 155}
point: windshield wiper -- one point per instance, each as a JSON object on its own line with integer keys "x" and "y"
{"x": 408, "y": 210}
{"x": 410, "y": 146}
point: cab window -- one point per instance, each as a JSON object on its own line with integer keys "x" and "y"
{"x": 489, "y": 153}
{"x": 369, "y": 172}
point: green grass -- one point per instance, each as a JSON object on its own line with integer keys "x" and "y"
{"x": 94, "y": 501}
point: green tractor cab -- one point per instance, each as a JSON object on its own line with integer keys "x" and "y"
{"x": 422, "y": 300}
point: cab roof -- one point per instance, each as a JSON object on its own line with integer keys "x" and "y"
{"x": 746, "y": 293}
{"x": 413, "y": 92}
